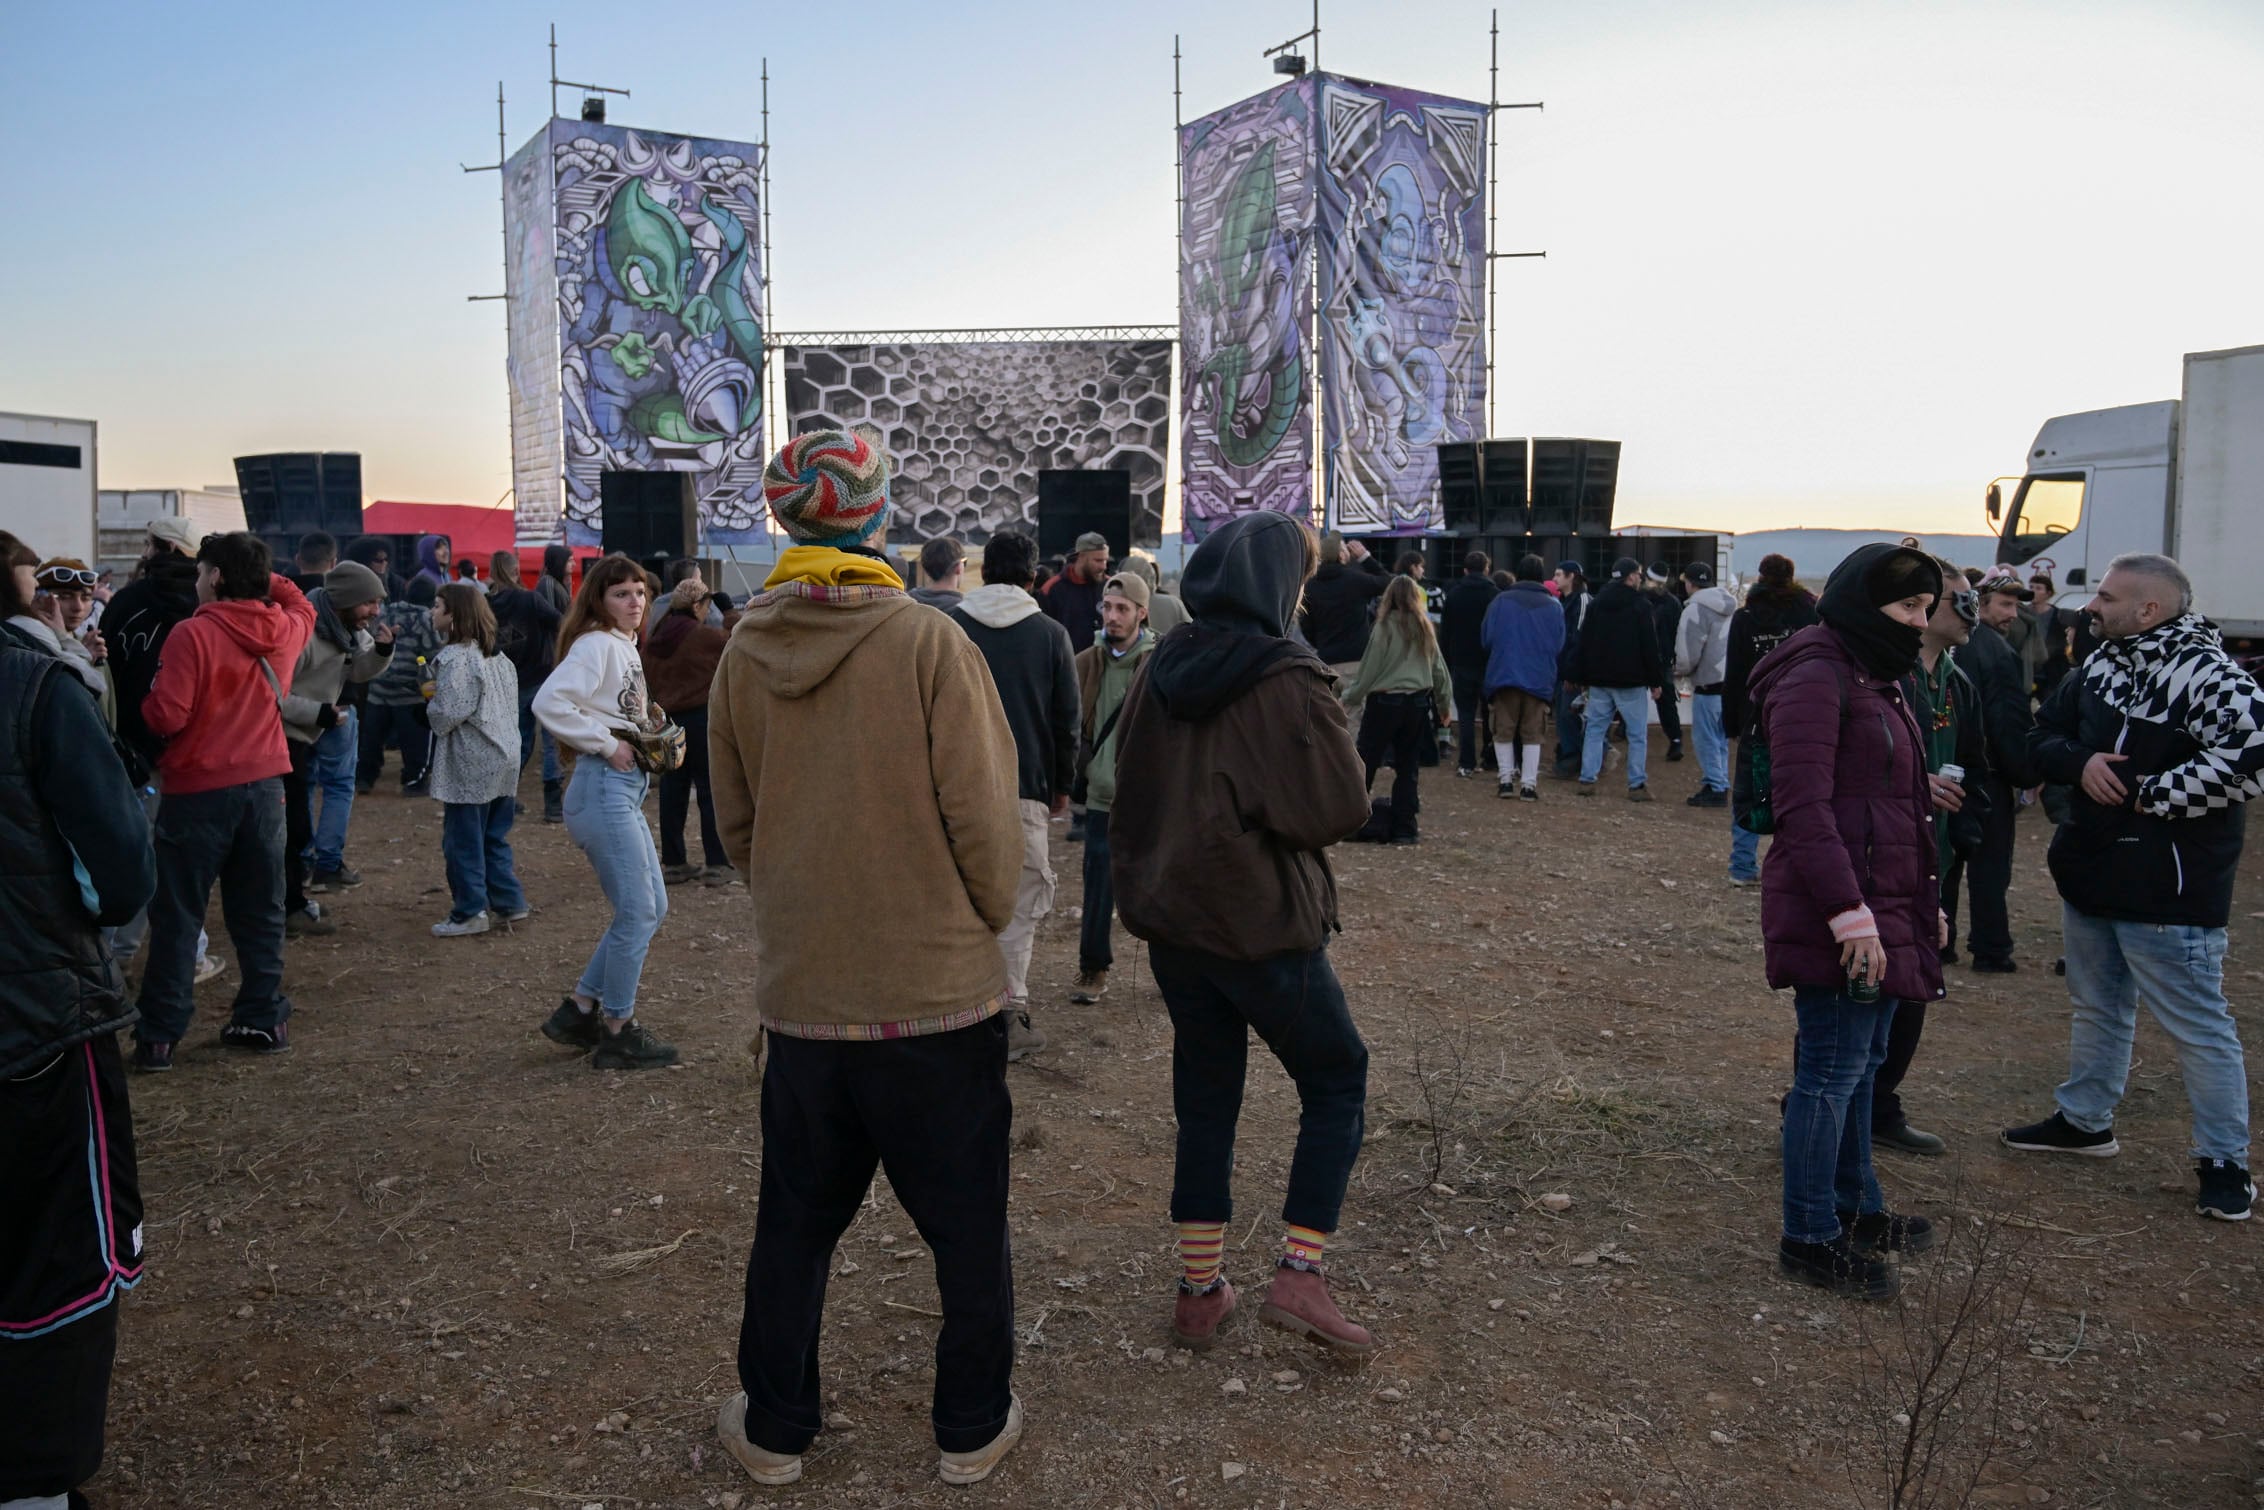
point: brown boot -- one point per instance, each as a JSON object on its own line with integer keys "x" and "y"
{"x": 1197, "y": 1316}
{"x": 1298, "y": 1301}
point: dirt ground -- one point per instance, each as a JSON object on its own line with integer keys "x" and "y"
{"x": 429, "y": 1259}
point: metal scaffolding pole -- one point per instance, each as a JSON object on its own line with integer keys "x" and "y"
{"x": 1494, "y": 107}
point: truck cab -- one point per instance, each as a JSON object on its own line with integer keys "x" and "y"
{"x": 2098, "y": 484}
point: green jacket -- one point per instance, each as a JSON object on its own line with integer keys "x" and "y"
{"x": 1392, "y": 664}
{"x": 1103, "y": 679}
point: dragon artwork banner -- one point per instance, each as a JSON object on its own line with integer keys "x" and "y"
{"x": 643, "y": 333}
{"x": 1245, "y": 305}
{"x": 1403, "y": 285}
{"x": 970, "y": 424}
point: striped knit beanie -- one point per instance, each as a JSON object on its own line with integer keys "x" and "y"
{"x": 829, "y": 487}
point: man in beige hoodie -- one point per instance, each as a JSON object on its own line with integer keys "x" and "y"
{"x": 864, "y": 777}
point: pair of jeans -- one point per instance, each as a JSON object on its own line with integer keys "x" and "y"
{"x": 1670, "y": 710}
{"x": 1570, "y": 733}
{"x": 401, "y": 724}
{"x": 678, "y": 787}
{"x": 1093, "y": 951}
{"x": 1744, "y": 845}
{"x": 125, "y": 940}
{"x": 1296, "y": 1006}
{"x": 1712, "y": 739}
{"x": 233, "y": 836}
{"x": 1394, "y": 728}
{"x": 934, "y": 1113}
{"x": 605, "y": 817}
{"x": 1469, "y": 715}
{"x": 1987, "y": 876}
{"x": 298, "y": 826}
{"x": 1632, "y": 704}
{"x": 1827, "y": 1118}
{"x": 2181, "y": 972}
{"x": 337, "y": 755}
{"x": 475, "y": 841}
{"x": 1033, "y": 895}
{"x": 529, "y": 730}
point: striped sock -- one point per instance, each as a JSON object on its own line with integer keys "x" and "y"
{"x": 1302, "y": 1248}
{"x": 1199, "y": 1244}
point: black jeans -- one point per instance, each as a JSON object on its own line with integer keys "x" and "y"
{"x": 1471, "y": 744}
{"x": 298, "y": 827}
{"x": 1394, "y": 727}
{"x": 933, "y": 1112}
{"x": 1670, "y": 715}
{"x": 1902, "y": 1046}
{"x": 1093, "y": 951}
{"x": 235, "y": 836}
{"x": 1294, "y": 1003}
{"x": 389, "y": 723}
{"x": 1987, "y": 877}
{"x": 677, "y": 788}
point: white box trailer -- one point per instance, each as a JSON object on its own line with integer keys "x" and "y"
{"x": 123, "y": 517}
{"x": 47, "y": 483}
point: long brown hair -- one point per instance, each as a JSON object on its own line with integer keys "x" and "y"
{"x": 1401, "y": 613}
{"x": 13, "y": 553}
{"x": 587, "y": 611}
{"x": 470, "y": 620}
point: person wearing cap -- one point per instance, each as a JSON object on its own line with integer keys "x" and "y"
{"x": 865, "y": 786}
{"x": 680, "y": 656}
{"x": 1622, "y": 669}
{"x": 1105, "y": 672}
{"x": 1165, "y": 611}
{"x": 2007, "y": 715}
{"x": 1072, "y": 598}
{"x": 342, "y": 648}
{"x": 1666, "y": 612}
{"x": 1776, "y": 606}
{"x": 1571, "y": 583}
{"x": 1701, "y": 657}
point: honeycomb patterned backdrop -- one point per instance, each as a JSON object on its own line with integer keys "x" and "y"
{"x": 969, "y": 425}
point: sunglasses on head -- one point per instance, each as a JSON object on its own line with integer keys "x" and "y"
{"x": 1967, "y": 606}
{"x": 69, "y": 576}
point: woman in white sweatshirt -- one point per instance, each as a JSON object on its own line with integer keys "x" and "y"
{"x": 594, "y": 697}
{"x": 474, "y": 769}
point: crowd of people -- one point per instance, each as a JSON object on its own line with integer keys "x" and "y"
{"x": 856, "y": 746}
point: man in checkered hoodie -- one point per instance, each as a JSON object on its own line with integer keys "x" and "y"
{"x": 2162, "y": 736}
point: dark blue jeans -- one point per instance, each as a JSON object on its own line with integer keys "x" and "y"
{"x": 233, "y": 836}
{"x": 1827, "y": 1118}
{"x": 1093, "y": 951}
{"x": 1570, "y": 733}
{"x": 1295, "y": 1004}
{"x": 386, "y": 724}
{"x": 475, "y": 840}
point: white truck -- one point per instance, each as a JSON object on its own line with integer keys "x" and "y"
{"x": 2184, "y": 477}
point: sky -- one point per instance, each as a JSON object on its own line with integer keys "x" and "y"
{"x": 1813, "y": 264}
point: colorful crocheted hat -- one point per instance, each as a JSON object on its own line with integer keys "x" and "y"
{"x": 829, "y": 487}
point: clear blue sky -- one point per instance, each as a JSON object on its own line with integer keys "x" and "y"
{"x": 1814, "y": 263}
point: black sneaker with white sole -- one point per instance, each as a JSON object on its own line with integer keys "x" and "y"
{"x": 2227, "y": 1193}
{"x": 242, "y": 1035}
{"x": 573, "y": 1027}
{"x": 2055, "y": 1134}
{"x": 633, "y": 1048}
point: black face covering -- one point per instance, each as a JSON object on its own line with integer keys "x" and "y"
{"x": 1855, "y": 598}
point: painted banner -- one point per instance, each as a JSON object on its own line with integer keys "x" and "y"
{"x": 1403, "y": 283}
{"x": 1245, "y": 305}
{"x": 530, "y": 308}
{"x": 655, "y": 345}
{"x": 970, "y": 424}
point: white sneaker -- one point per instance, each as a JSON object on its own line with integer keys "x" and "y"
{"x": 209, "y": 966}
{"x": 974, "y": 1467}
{"x": 452, "y": 928}
{"x": 762, "y": 1465}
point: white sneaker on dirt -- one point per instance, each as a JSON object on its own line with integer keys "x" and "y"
{"x": 974, "y": 1467}
{"x": 457, "y": 928}
{"x": 762, "y": 1465}
{"x": 210, "y": 966}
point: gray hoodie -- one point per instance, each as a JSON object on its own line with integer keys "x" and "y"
{"x": 1701, "y": 641}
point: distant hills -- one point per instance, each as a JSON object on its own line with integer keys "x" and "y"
{"x": 1816, "y": 552}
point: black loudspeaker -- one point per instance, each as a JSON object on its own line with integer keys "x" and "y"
{"x": 1556, "y": 487}
{"x": 1073, "y": 502}
{"x": 1503, "y": 505}
{"x": 1458, "y": 486}
{"x": 644, "y": 514}
{"x": 291, "y": 493}
{"x": 1599, "y": 485}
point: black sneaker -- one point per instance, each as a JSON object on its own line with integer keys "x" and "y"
{"x": 1464, "y": 773}
{"x": 1837, "y": 1266}
{"x": 1904, "y": 1138}
{"x": 1886, "y": 1232}
{"x": 633, "y": 1048}
{"x": 341, "y": 878}
{"x": 1506, "y": 790}
{"x": 1528, "y": 794}
{"x": 152, "y": 1058}
{"x": 553, "y": 802}
{"x": 573, "y": 1027}
{"x": 2226, "y": 1190}
{"x": 313, "y": 923}
{"x": 1994, "y": 966}
{"x": 1639, "y": 794}
{"x": 2055, "y": 1134}
{"x": 1674, "y": 749}
{"x": 242, "y": 1035}
{"x": 1707, "y": 796}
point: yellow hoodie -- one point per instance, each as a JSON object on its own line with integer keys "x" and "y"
{"x": 831, "y": 568}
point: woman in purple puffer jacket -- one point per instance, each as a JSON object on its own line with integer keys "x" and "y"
{"x": 1850, "y": 887}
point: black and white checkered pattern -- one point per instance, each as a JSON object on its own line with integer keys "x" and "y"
{"x": 2179, "y": 674}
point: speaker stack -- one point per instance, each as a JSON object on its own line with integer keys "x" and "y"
{"x": 1072, "y": 502}
{"x": 647, "y": 514}
{"x": 1459, "y": 487}
{"x": 291, "y": 493}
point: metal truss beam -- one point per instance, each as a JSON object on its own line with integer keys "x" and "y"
{"x": 1000, "y": 333}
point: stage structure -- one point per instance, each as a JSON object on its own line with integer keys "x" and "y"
{"x": 635, "y": 295}
{"x": 971, "y": 418}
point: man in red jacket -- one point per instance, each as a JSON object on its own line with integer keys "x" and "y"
{"x": 213, "y": 702}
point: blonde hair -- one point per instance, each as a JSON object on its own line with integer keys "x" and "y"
{"x": 1401, "y": 612}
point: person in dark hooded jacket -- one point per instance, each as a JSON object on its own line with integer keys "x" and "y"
{"x": 1850, "y": 908}
{"x": 1776, "y": 607}
{"x": 1235, "y": 771}
{"x": 432, "y": 560}
{"x": 555, "y": 585}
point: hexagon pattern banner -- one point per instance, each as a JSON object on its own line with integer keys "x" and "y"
{"x": 970, "y": 424}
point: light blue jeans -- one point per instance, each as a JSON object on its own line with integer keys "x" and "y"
{"x": 2180, "y": 972}
{"x": 337, "y": 757}
{"x": 1630, "y": 703}
{"x": 605, "y": 815}
{"x": 1712, "y": 739}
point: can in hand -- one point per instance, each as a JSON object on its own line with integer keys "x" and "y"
{"x": 1861, "y": 987}
{"x": 1954, "y": 773}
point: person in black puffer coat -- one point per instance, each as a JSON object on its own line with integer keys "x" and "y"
{"x": 1776, "y": 607}
{"x": 1338, "y": 606}
{"x": 1464, "y": 615}
{"x": 1623, "y": 669}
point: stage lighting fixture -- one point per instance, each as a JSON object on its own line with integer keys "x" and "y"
{"x": 1291, "y": 64}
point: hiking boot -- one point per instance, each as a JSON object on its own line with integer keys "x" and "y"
{"x": 677, "y": 875}
{"x": 1707, "y": 796}
{"x": 1994, "y": 965}
{"x": 1022, "y": 1040}
{"x": 1836, "y": 1266}
{"x": 1639, "y": 794}
{"x": 1506, "y": 790}
{"x": 1092, "y": 985}
{"x": 2226, "y": 1190}
{"x": 633, "y": 1048}
{"x": 2056, "y": 1134}
{"x": 573, "y": 1027}
{"x": 1886, "y": 1232}
{"x": 719, "y": 875}
{"x": 973, "y": 1467}
{"x": 1904, "y": 1138}
{"x": 312, "y": 923}
{"x": 242, "y": 1035}
{"x": 334, "y": 878}
{"x": 1528, "y": 794}
{"x": 454, "y": 927}
{"x": 1298, "y": 1301}
{"x": 1198, "y": 1314}
{"x": 210, "y": 966}
{"x": 1674, "y": 749}
{"x": 554, "y": 802}
{"x": 770, "y": 1469}
{"x": 152, "y": 1058}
